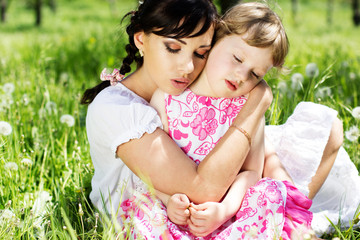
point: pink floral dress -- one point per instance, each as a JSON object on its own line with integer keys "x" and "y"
{"x": 197, "y": 123}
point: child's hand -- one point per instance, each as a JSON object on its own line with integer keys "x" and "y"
{"x": 177, "y": 209}
{"x": 206, "y": 218}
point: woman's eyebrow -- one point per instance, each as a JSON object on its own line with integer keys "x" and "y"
{"x": 183, "y": 42}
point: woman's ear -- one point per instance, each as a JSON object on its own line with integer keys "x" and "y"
{"x": 139, "y": 39}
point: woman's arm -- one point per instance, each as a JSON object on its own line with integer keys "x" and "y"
{"x": 158, "y": 157}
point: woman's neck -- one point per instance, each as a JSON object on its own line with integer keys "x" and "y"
{"x": 139, "y": 83}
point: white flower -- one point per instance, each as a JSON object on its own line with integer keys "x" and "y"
{"x": 6, "y": 217}
{"x": 352, "y": 134}
{"x": 297, "y": 80}
{"x": 356, "y": 112}
{"x": 323, "y": 92}
{"x": 27, "y": 162}
{"x": 50, "y": 107}
{"x": 11, "y": 166}
{"x": 312, "y": 70}
{"x": 9, "y": 88}
{"x": 68, "y": 120}
{"x": 352, "y": 75}
{"x": 282, "y": 86}
{"x": 5, "y": 128}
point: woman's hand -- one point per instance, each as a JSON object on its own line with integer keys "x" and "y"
{"x": 262, "y": 95}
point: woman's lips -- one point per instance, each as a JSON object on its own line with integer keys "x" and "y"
{"x": 232, "y": 85}
{"x": 180, "y": 83}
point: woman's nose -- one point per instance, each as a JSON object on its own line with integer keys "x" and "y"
{"x": 187, "y": 66}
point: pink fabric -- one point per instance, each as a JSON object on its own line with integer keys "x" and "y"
{"x": 298, "y": 217}
{"x": 261, "y": 216}
{"x": 196, "y": 123}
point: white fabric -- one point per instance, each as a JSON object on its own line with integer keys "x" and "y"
{"x": 116, "y": 116}
{"x": 300, "y": 143}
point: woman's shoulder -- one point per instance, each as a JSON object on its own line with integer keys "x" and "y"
{"x": 119, "y": 105}
{"x": 117, "y": 95}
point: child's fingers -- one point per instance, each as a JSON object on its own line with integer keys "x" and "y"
{"x": 195, "y": 229}
{"x": 197, "y": 214}
{"x": 183, "y": 198}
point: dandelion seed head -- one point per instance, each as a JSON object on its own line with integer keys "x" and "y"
{"x": 282, "y": 86}
{"x": 26, "y": 162}
{"x": 25, "y": 99}
{"x": 311, "y": 70}
{"x": 297, "y": 80}
{"x": 5, "y": 128}
{"x": 323, "y": 92}
{"x": 352, "y": 134}
{"x": 352, "y": 75}
{"x": 9, "y": 88}
{"x": 41, "y": 202}
{"x": 7, "y": 216}
{"x": 51, "y": 107}
{"x": 68, "y": 120}
{"x": 12, "y": 166}
{"x": 356, "y": 112}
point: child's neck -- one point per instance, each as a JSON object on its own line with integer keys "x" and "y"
{"x": 201, "y": 87}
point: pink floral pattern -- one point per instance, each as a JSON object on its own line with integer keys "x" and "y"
{"x": 197, "y": 123}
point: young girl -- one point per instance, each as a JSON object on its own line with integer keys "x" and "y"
{"x": 124, "y": 132}
{"x": 249, "y": 42}
{"x": 196, "y": 119}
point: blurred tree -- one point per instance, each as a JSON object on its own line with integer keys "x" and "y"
{"x": 294, "y": 9}
{"x": 37, "y": 8}
{"x": 356, "y": 12}
{"x": 226, "y": 4}
{"x": 52, "y": 5}
{"x": 3, "y": 7}
{"x": 330, "y": 10}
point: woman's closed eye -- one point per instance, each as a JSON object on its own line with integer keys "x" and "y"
{"x": 202, "y": 54}
{"x": 172, "y": 48}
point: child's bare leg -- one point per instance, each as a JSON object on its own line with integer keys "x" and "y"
{"x": 272, "y": 165}
{"x": 327, "y": 161}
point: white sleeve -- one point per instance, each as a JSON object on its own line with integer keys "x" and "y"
{"x": 114, "y": 119}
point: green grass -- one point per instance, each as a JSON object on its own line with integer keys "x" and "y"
{"x": 52, "y": 65}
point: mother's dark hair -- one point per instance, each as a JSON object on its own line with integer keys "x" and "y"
{"x": 168, "y": 18}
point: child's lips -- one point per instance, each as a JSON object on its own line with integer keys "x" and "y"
{"x": 232, "y": 85}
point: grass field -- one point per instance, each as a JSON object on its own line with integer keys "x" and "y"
{"x": 46, "y": 169}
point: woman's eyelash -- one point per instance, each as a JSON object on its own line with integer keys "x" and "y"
{"x": 202, "y": 56}
{"x": 171, "y": 50}
{"x": 255, "y": 75}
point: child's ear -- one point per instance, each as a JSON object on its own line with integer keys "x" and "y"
{"x": 139, "y": 40}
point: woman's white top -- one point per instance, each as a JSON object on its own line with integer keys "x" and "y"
{"x": 116, "y": 116}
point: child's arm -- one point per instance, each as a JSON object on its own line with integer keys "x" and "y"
{"x": 207, "y": 217}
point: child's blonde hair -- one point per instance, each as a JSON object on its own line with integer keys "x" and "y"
{"x": 259, "y": 26}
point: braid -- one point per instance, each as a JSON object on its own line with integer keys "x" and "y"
{"x": 131, "y": 48}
